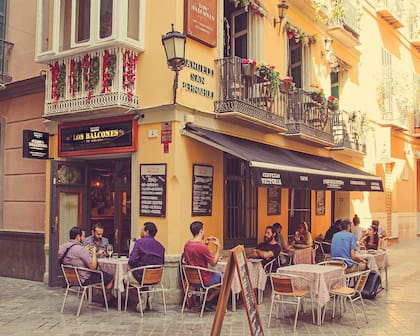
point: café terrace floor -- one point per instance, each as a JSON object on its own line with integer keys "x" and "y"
{"x": 32, "y": 308}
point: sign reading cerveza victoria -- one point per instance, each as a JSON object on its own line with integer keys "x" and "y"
{"x": 97, "y": 137}
{"x": 35, "y": 144}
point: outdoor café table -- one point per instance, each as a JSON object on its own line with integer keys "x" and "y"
{"x": 117, "y": 267}
{"x": 256, "y": 274}
{"x": 319, "y": 276}
{"x": 377, "y": 260}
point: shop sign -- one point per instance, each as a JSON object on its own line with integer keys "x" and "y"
{"x": 202, "y": 193}
{"x": 114, "y": 135}
{"x": 198, "y": 79}
{"x": 201, "y": 21}
{"x": 35, "y": 144}
{"x": 153, "y": 190}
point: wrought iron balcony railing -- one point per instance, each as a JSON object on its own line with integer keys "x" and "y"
{"x": 5, "y": 50}
{"x": 240, "y": 90}
{"x": 242, "y": 94}
{"x": 350, "y": 130}
{"x": 100, "y": 79}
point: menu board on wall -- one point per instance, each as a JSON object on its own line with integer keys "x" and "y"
{"x": 153, "y": 190}
{"x": 202, "y": 190}
{"x": 273, "y": 201}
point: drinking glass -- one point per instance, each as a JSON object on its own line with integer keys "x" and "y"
{"x": 109, "y": 250}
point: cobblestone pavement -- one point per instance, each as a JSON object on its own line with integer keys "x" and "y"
{"x": 32, "y": 308}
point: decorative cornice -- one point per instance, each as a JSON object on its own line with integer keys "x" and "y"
{"x": 23, "y": 88}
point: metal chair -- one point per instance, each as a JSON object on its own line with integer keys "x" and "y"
{"x": 324, "y": 247}
{"x": 151, "y": 282}
{"x": 338, "y": 263}
{"x": 283, "y": 288}
{"x": 195, "y": 284}
{"x": 74, "y": 284}
{"x": 346, "y": 293}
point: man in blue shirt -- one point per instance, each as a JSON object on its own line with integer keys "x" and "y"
{"x": 344, "y": 246}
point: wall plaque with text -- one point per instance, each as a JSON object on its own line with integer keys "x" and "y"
{"x": 153, "y": 190}
{"x": 202, "y": 192}
{"x": 201, "y": 20}
{"x": 35, "y": 144}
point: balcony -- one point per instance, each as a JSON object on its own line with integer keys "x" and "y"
{"x": 100, "y": 83}
{"x": 390, "y": 11}
{"x": 309, "y": 119}
{"x": 5, "y": 50}
{"x": 343, "y": 22}
{"x": 349, "y": 130}
{"x": 245, "y": 98}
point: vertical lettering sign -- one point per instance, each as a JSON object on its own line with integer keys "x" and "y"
{"x": 35, "y": 144}
{"x": 201, "y": 20}
{"x": 153, "y": 190}
{"x": 202, "y": 193}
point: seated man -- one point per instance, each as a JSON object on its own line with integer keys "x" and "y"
{"x": 97, "y": 240}
{"x": 146, "y": 251}
{"x": 269, "y": 249}
{"x": 344, "y": 246}
{"x": 332, "y": 230}
{"x": 196, "y": 253}
{"x": 75, "y": 254}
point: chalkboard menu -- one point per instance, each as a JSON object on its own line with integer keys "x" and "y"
{"x": 202, "y": 192}
{"x": 273, "y": 201}
{"x": 153, "y": 190}
{"x": 237, "y": 263}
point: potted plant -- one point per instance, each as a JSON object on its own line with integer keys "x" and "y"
{"x": 268, "y": 73}
{"x": 317, "y": 94}
{"x": 287, "y": 85}
{"x": 248, "y": 67}
{"x": 332, "y": 103}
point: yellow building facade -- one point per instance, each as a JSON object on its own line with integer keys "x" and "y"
{"x": 281, "y": 115}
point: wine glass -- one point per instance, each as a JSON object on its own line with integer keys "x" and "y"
{"x": 109, "y": 250}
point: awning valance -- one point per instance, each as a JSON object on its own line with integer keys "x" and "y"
{"x": 278, "y": 167}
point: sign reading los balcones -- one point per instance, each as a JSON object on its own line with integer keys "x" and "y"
{"x": 114, "y": 135}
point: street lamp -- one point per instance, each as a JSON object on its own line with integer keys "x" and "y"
{"x": 174, "y": 44}
{"x": 282, "y": 9}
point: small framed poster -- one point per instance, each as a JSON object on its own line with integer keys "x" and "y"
{"x": 273, "y": 201}
{"x": 320, "y": 202}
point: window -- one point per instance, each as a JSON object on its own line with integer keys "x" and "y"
{"x": 105, "y": 18}
{"x": 335, "y": 84}
{"x": 46, "y": 17}
{"x": 386, "y": 87}
{"x": 240, "y": 204}
{"x": 3, "y": 7}
{"x": 243, "y": 33}
{"x": 82, "y": 24}
{"x": 295, "y": 65}
{"x": 133, "y": 19}
{"x": 299, "y": 209}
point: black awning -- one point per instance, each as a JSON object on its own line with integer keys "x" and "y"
{"x": 278, "y": 167}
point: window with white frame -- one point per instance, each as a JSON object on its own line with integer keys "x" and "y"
{"x": 67, "y": 24}
{"x": 386, "y": 85}
{"x": 300, "y": 66}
